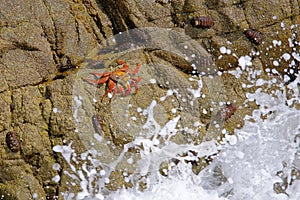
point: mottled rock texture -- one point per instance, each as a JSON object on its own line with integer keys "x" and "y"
{"x": 37, "y": 36}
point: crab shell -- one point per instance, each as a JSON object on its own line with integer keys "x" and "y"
{"x": 118, "y": 81}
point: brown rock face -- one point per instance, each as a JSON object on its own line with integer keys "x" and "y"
{"x": 47, "y": 46}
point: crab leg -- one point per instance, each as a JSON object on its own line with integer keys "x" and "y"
{"x": 116, "y": 90}
{"x": 104, "y": 96}
{"x": 128, "y": 91}
{"x": 98, "y": 82}
{"x": 120, "y": 90}
{"x": 100, "y": 74}
{"x": 137, "y": 80}
{"x": 111, "y": 86}
{"x": 134, "y": 82}
{"x": 125, "y": 66}
{"x": 136, "y": 70}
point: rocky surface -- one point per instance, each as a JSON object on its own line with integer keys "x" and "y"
{"x": 36, "y": 99}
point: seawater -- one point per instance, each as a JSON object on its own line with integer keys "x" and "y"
{"x": 249, "y": 160}
{"x": 249, "y": 165}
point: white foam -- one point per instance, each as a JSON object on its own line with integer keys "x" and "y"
{"x": 245, "y": 61}
{"x": 286, "y": 56}
{"x": 223, "y": 50}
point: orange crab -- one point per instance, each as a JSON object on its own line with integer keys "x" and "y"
{"x": 118, "y": 81}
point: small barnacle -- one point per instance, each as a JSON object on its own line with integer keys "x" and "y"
{"x": 97, "y": 123}
{"x": 203, "y": 22}
{"x": 254, "y": 36}
{"x": 225, "y": 113}
{"x": 68, "y": 66}
{"x": 182, "y": 24}
{"x": 52, "y": 196}
{"x": 13, "y": 142}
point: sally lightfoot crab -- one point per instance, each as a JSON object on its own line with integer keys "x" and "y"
{"x": 118, "y": 81}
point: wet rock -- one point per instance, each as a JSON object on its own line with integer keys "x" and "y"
{"x": 3, "y": 85}
{"x": 27, "y": 101}
{"x": 259, "y": 15}
{"x": 117, "y": 181}
{"x": 61, "y": 121}
{"x": 17, "y": 181}
{"x": 236, "y": 17}
{"x": 37, "y": 36}
{"x": 32, "y": 33}
{"x": 5, "y": 114}
{"x": 21, "y": 68}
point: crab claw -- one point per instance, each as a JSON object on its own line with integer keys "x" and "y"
{"x": 136, "y": 70}
{"x": 100, "y": 74}
{"x": 125, "y": 66}
{"x": 98, "y": 82}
